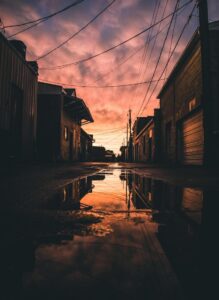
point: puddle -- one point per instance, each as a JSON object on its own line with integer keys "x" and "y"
{"x": 104, "y": 253}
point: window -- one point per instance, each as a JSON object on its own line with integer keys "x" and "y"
{"x": 192, "y": 104}
{"x": 150, "y": 133}
{"x": 66, "y": 133}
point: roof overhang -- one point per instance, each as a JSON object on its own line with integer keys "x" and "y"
{"x": 78, "y": 109}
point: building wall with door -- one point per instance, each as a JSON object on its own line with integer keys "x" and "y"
{"x": 182, "y": 106}
{"x": 70, "y": 137}
{"x": 18, "y": 101}
{"x": 146, "y": 141}
{"x": 98, "y": 153}
{"x": 86, "y": 146}
{"x": 60, "y": 116}
{"x": 138, "y": 140}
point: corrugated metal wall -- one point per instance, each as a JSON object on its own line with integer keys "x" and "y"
{"x": 15, "y": 71}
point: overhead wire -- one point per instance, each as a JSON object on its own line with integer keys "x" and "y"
{"x": 146, "y": 45}
{"x": 171, "y": 40}
{"x": 159, "y": 57}
{"x": 154, "y": 42}
{"x": 40, "y": 20}
{"x": 109, "y": 132}
{"x": 129, "y": 57}
{"x": 98, "y": 86}
{"x": 172, "y": 53}
{"x": 115, "y": 46}
{"x": 46, "y": 17}
{"x": 76, "y": 33}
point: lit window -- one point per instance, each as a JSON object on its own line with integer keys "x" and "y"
{"x": 150, "y": 133}
{"x": 192, "y": 104}
{"x": 66, "y": 133}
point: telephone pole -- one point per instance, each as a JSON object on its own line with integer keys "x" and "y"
{"x": 206, "y": 81}
{"x": 130, "y": 137}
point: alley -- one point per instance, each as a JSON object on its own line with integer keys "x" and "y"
{"x": 109, "y": 149}
{"x": 112, "y": 230}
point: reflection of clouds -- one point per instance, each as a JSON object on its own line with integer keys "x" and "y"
{"x": 124, "y": 19}
{"x": 92, "y": 261}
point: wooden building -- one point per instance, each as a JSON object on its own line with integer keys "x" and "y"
{"x": 60, "y": 117}
{"x": 123, "y": 155}
{"x": 146, "y": 138}
{"x": 190, "y": 124}
{"x": 18, "y": 101}
{"x": 69, "y": 197}
{"x": 86, "y": 145}
{"x": 110, "y": 156}
{"x": 98, "y": 153}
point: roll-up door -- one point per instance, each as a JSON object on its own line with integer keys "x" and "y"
{"x": 193, "y": 140}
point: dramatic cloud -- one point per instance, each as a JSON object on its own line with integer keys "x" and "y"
{"x": 123, "y": 19}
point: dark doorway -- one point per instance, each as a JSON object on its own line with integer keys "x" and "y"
{"x": 16, "y": 123}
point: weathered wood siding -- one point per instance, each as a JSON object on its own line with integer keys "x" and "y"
{"x": 146, "y": 146}
{"x": 14, "y": 70}
{"x": 185, "y": 85}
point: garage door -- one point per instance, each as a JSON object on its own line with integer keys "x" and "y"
{"x": 193, "y": 140}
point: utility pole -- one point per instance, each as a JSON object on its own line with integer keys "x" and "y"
{"x": 206, "y": 81}
{"x": 127, "y": 142}
{"x": 130, "y": 136}
{"x": 130, "y": 123}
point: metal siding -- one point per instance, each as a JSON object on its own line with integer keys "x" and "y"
{"x": 13, "y": 69}
{"x": 193, "y": 140}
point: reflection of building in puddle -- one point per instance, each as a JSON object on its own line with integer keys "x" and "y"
{"x": 192, "y": 203}
{"x": 180, "y": 214}
{"x": 97, "y": 177}
{"x": 165, "y": 199}
{"x": 141, "y": 192}
{"x": 68, "y": 197}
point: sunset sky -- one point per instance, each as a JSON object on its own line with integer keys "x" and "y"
{"x": 130, "y": 63}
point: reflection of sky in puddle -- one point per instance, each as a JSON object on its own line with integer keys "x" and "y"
{"x": 108, "y": 194}
{"x": 112, "y": 255}
{"x": 88, "y": 266}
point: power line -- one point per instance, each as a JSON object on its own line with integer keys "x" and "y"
{"x": 130, "y": 56}
{"x": 40, "y": 20}
{"x": 154, "y": 43}
{"x": 108, "y": 132}
{"x": 116, "y": 46}
{"x": 46, "y": 17}
{"x": 109, "y": 129}
{"x": 98, "y": 86}
{"x": 159, "y": 57}
{"x": 146, "y": 46}
{"x": 116, "y": 137}
{"x": 171, "y": 41}
{"x": 167, "y": 63}
{"x": 76, "y": 33}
